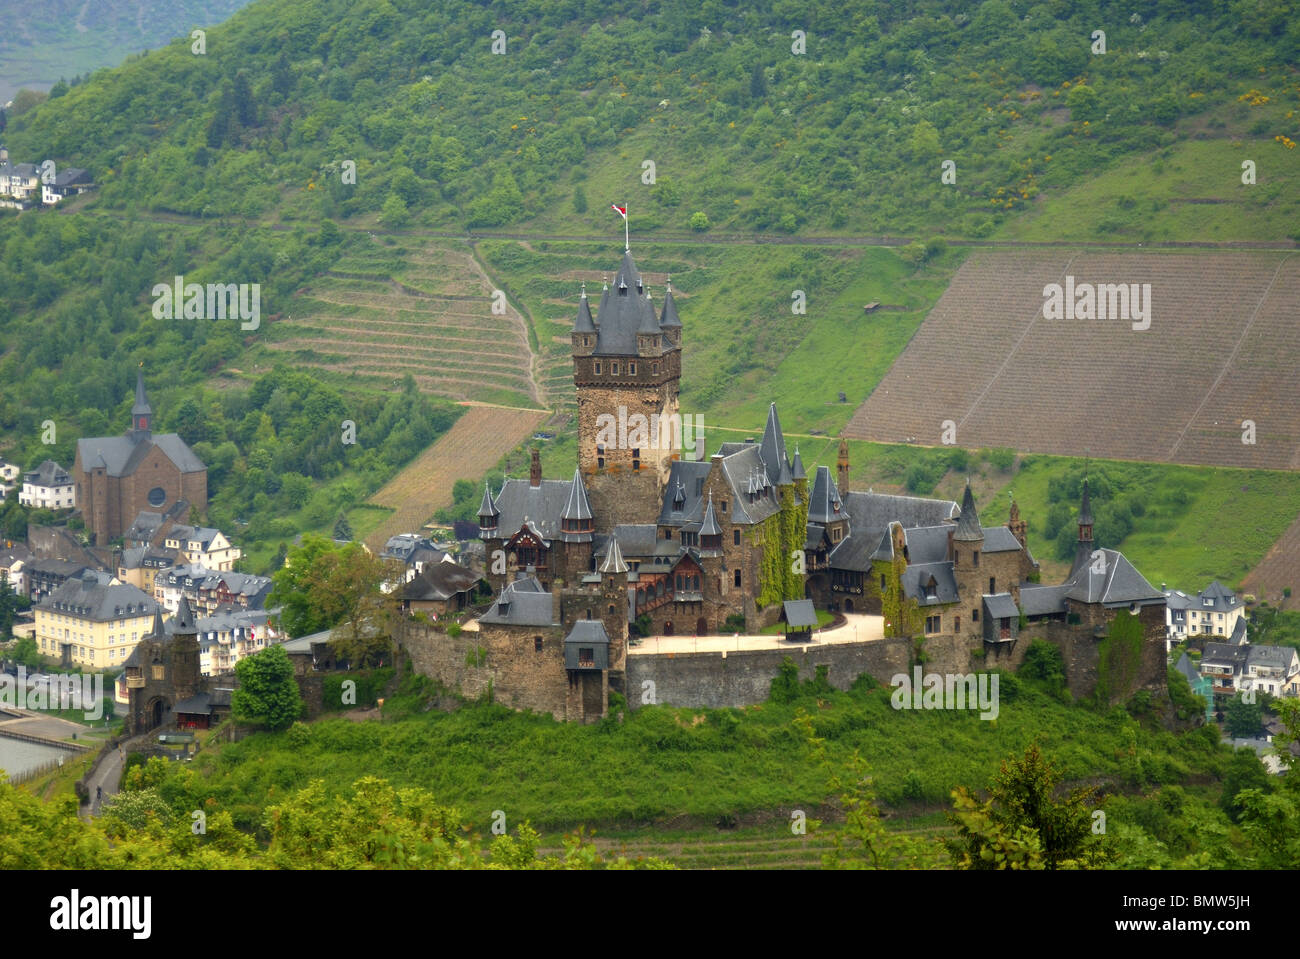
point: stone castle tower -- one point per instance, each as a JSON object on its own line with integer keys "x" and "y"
{"x": 627, "y": 366}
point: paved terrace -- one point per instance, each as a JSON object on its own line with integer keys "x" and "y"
{"x": 857, "y": 627}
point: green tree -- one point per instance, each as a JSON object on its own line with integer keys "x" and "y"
{"x": 26, "y": 654}
{"x": 267, "y": 695}
{"x": 699, "y": 221}
{"x": 1242, "y": 719}
{"x": 394, "y": 212}
{"x": 342, "y": 528}
{"x": 1022, "y": 825}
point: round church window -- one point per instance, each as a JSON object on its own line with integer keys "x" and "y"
{"x": 157, "y": 496}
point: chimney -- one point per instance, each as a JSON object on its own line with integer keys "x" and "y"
{"x": 535, "y": 469}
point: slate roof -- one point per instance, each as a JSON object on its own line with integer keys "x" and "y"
{"x": 1176, "y": 600}
{"x": 1085, "y": 506}
{"x": 824, "y": 503}
{"x": 71, "y": 176}
{"x": 622, "y": 312}
{"x": 796, "y": 467}
{"x": 411, "y": 548}
{"x": 968, "y": 524}
{"x": 1120, "y": 585}
{"x": 583, "y": 323}
{"x": 613, "y": 559}
{"x": 738, "y": 469}
{"x": 669, "y": 318}
{"x": 588, "y": 631}
{"x": 540, "y": 505}
{"x": 685, "y": 486}
{"x": 439, "y": 581}
{"x": 917, "y": 575}
{"x": 141, "y": 407}
{"x": 925, "y": 544}
{"x": 146, "y": 526}
{"x": 577, "y": 505}
{"x": 1225, "y": 656}
{"x": 1043, "y": 600}
{"x": 517, "y": 605}
{"x": 1238, "y": 632}
{"x": 1277, "y": 657}
{"x": 869, "y": 517}
{"x": 772, "y": 449}
{"x": 800, "y": 613}
{"x": 90, "y": 596}
{"x": 710, "y": 526}
{"x": 120, "y": 455}
{"x": 1001, "y": 606}
{"x": 998, "y": 539}
{"x": 1221, "y": 598}
{"x": 1184, "y": 666}
{"x": 487, "y": 507}
{"x": 48, "y": 474}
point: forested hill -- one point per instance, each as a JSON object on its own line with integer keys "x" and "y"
{"x": 848, "y": 135}
{"x": 65, "y": 38}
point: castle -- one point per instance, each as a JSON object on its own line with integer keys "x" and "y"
{"x": 643, "y": 535}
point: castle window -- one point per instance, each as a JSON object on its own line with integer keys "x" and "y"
{"x": 975, "y": 615}
{"x": 589, "y": 612}
{"x": 537, "y": 644}
{"x": 636, "y": 459}
{"x": 993, "y": 584}
{"x": 158, "y": 672}
{"x": 613, "y": 368}
{"x": 882, "y": 582}
{"x": 600, "y": 456}
{"x": 631, "y": 369}
{"x": 933, "y": 624}
{"x": 736, "y": 578}
{"x": 598, "y": 366}
{"x": 977, "y": 557}
{"x": 956, "y": 558}
{"x": 735, "y": 537}
{"x": 611, "y": 610}
{"x": 695, "y": 583}
{"x": 586, "y": 656}
{"x": 956, "y": 624}
{"x": 654, "y": 368}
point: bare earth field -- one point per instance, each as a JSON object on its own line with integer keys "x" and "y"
{"x": 1278, "y": 570}
{"x": 1221, "y": 349}
{"x": 468, "y": 450}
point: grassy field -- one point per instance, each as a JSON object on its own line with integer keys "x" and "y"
{"x": 1189, "y": 191}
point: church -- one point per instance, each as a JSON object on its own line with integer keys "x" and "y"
{"x": 120, "y": 476}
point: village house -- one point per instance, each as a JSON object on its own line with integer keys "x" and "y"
{"x": 1215, "y": 611}
{"x": 92, "y": 620}
{"x": 207, "y": 589}
{"x": 1240, "y": 668}
{"x": 49, "y": 486}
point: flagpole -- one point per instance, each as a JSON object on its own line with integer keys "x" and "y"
{"x": 627, "y": 242}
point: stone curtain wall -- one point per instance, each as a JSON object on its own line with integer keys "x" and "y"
{"x": 741, "y": 678}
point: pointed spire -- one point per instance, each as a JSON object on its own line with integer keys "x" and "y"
{"x": 796, "y": 468}
{"x": 649, "y": 322}
{"x": 669, "y": 318}
{"x": 141, "y": 412}
{"x": 710, "y": 526}
{"x": 578, "y": 507}
{"x": 613, "y": 559}
{"x": 584, "y": 323}
{"x": 824, "y": 500}
{"x": 968, "y": 524}
{"x": 772, "y": 449}
{"x": 157, "y": 631}
{"x": 183, "y": 621}
{"x": 1085, "y": 510}
{"x": 487, "y": 511}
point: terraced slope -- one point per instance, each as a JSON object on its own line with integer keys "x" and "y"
{"x": 426, "y": 309}
{"x": 1279, "y": 570}
{"x": 1221, "y": 349}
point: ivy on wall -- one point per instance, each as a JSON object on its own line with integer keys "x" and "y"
{"x": 1119, "y": 655}
{"x": 782, "y": 536}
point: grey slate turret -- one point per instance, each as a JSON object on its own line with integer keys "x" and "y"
{"x": 141, "y": 407}
{"x": 968, "y": 524}
{"x": 488, "y": 514}
{"x": 183, "y": 623}
{"x": 796, "y": 468}
{"x": 584, "y": 323}
{"x": 669, "y": 318}
{"x": 613, "y": 559}
{"x": 772, "y": 449}
{"x": 710, "y": 527}
{"x": 824, "y": 504}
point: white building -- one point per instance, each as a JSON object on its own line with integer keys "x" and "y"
{"x": 1215, "y": 611}
{"x": 49, "y": 486}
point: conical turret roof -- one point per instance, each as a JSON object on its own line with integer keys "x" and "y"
{"x": 968, "y": 524}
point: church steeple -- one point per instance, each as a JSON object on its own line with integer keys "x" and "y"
{"x": 141, "y": 412}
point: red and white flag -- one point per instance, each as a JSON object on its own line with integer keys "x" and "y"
{"x": 620, "y": 210}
